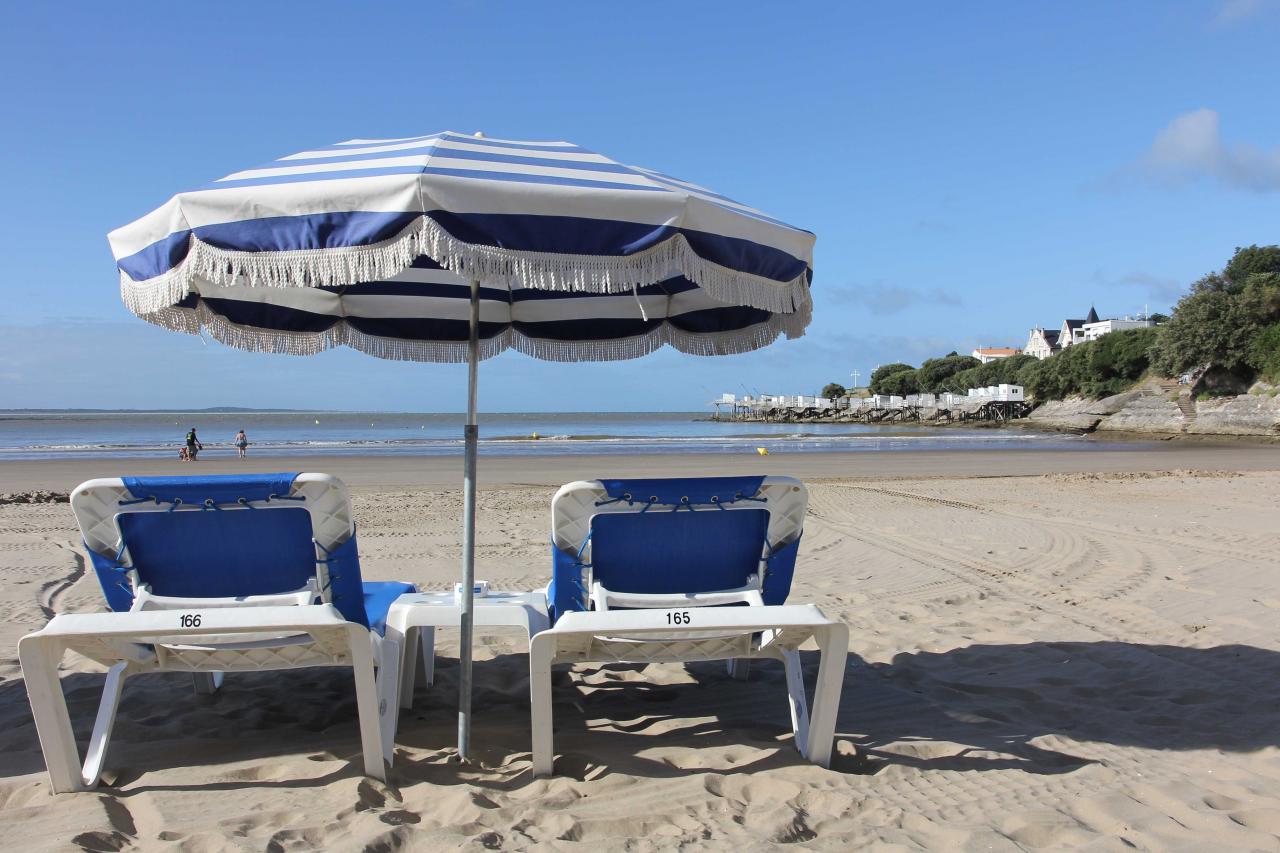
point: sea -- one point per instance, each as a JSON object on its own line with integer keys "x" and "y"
{"x": 27, "y": 435}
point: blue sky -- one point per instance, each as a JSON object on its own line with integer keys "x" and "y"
{"x": 970, "y": 169}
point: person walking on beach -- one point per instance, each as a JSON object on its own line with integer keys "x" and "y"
{"x": 193, "y": 445}
{"x": 242, "y": 441}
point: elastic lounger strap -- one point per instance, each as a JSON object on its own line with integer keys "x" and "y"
{"x": 344, "y": 584}
{"x": 210, "y": 503}
{"x": 113, "y": 577}
{"x": 683, "y": 492}
{"x": 780, "y": 566}
{"x": 220, "y": 489}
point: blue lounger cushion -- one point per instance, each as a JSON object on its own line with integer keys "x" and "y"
{"x": 663, "y": 552}
{"x": 233, "y": 552}
{"x": 677, "y": 539}
{"x": 219, "y": 554}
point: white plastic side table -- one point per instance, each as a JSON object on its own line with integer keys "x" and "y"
{"x": 413, "y": 619}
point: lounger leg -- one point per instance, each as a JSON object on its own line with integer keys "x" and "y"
{"x": 799, "y": 705}
{"x": 540, "y": 653}
{"x": 428, "y": 640}
{"x": 388, "y": 685}
{"x": 39, "y": 658}
{"x": 367, "y": 701}
{"x": 834, "y": 645}
{"x": 96, "y": 754}
{"x": 206, "y": 682}
{"x": 409, "y": 651}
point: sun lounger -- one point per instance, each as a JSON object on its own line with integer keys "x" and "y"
{"x": 684, "y": 570}
{"x": 208, "y": 575}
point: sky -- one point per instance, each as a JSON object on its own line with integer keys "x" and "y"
{"x": 971, "y": 170}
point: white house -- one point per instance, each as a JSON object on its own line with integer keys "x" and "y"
{"x": 986, "y": 355}
{"x": 1041, "y": 343}
{"x": 1093, "y": 331}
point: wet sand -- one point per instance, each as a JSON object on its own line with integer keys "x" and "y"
{"x": 64, "y": 474}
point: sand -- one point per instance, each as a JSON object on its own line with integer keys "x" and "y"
{"x": 1047, "y": 650}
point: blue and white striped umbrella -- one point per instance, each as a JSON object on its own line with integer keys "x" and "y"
{"x": 453, "y": 248}
{"x": 373, "y": 244}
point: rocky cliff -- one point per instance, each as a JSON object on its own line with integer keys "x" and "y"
{"x": 1165, "y": 413}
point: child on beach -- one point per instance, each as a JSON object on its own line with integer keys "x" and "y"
{"x": 242, "y": 441}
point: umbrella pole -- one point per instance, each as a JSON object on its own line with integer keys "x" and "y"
{"x": 470, "y": 434}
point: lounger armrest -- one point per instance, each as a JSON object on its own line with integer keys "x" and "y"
{"x": 634, "y": 623}
{"x": 196, "y": 622}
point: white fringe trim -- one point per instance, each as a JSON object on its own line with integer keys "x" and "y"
{"x": 493, "y": 266}
{"x": 193, "y": 321}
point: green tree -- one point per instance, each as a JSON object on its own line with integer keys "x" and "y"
{"x": 1217, "y": 322}
{"x": 833, "y": 390}
{"x": 1208, "y": 327}
{"x": 959, "y": 383}
{"x": 902, "y": 383}
{"x": 1264, "y": 352}
{"x": 884, "y": 371}
{"x": 1248, "y": 262}
{"x": 932, "y": 375}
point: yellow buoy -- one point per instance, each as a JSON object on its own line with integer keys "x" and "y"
{"x": 763, "y": 451}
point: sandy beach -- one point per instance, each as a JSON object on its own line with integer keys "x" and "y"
{"x": 1066, "y": 649}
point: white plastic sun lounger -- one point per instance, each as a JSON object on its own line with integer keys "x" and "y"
{"x": 650, "y": 570}
{"x": 208, "y": 575}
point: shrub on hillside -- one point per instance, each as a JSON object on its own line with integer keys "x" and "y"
{"x": 1117, "y": 360}
{"x": 1264, "y": 353}
{"x": 999, "y": 372}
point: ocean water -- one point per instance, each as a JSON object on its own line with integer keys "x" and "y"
{"x": 47, "y": 435}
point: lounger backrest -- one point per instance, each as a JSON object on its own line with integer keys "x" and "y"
{"x": 221, "y": 536}
{"x": 675, "y": 535}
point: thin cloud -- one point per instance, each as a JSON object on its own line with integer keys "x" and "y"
{"x": 1234, "y": 11}
{"x": 1191, "y": 148}
{"x": 935, "y": 226}
{"x": 1158, "y": 288}
{"x": 867, "y": 351}
{"x": 881, "y": 299}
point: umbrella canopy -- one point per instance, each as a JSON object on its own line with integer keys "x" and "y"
{"x": 373, "y": 243}
{"x": 450, "y": 247}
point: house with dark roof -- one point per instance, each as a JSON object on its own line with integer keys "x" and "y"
{"x": 1072, "y": 331}
{"x": 1043, "y": 343}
